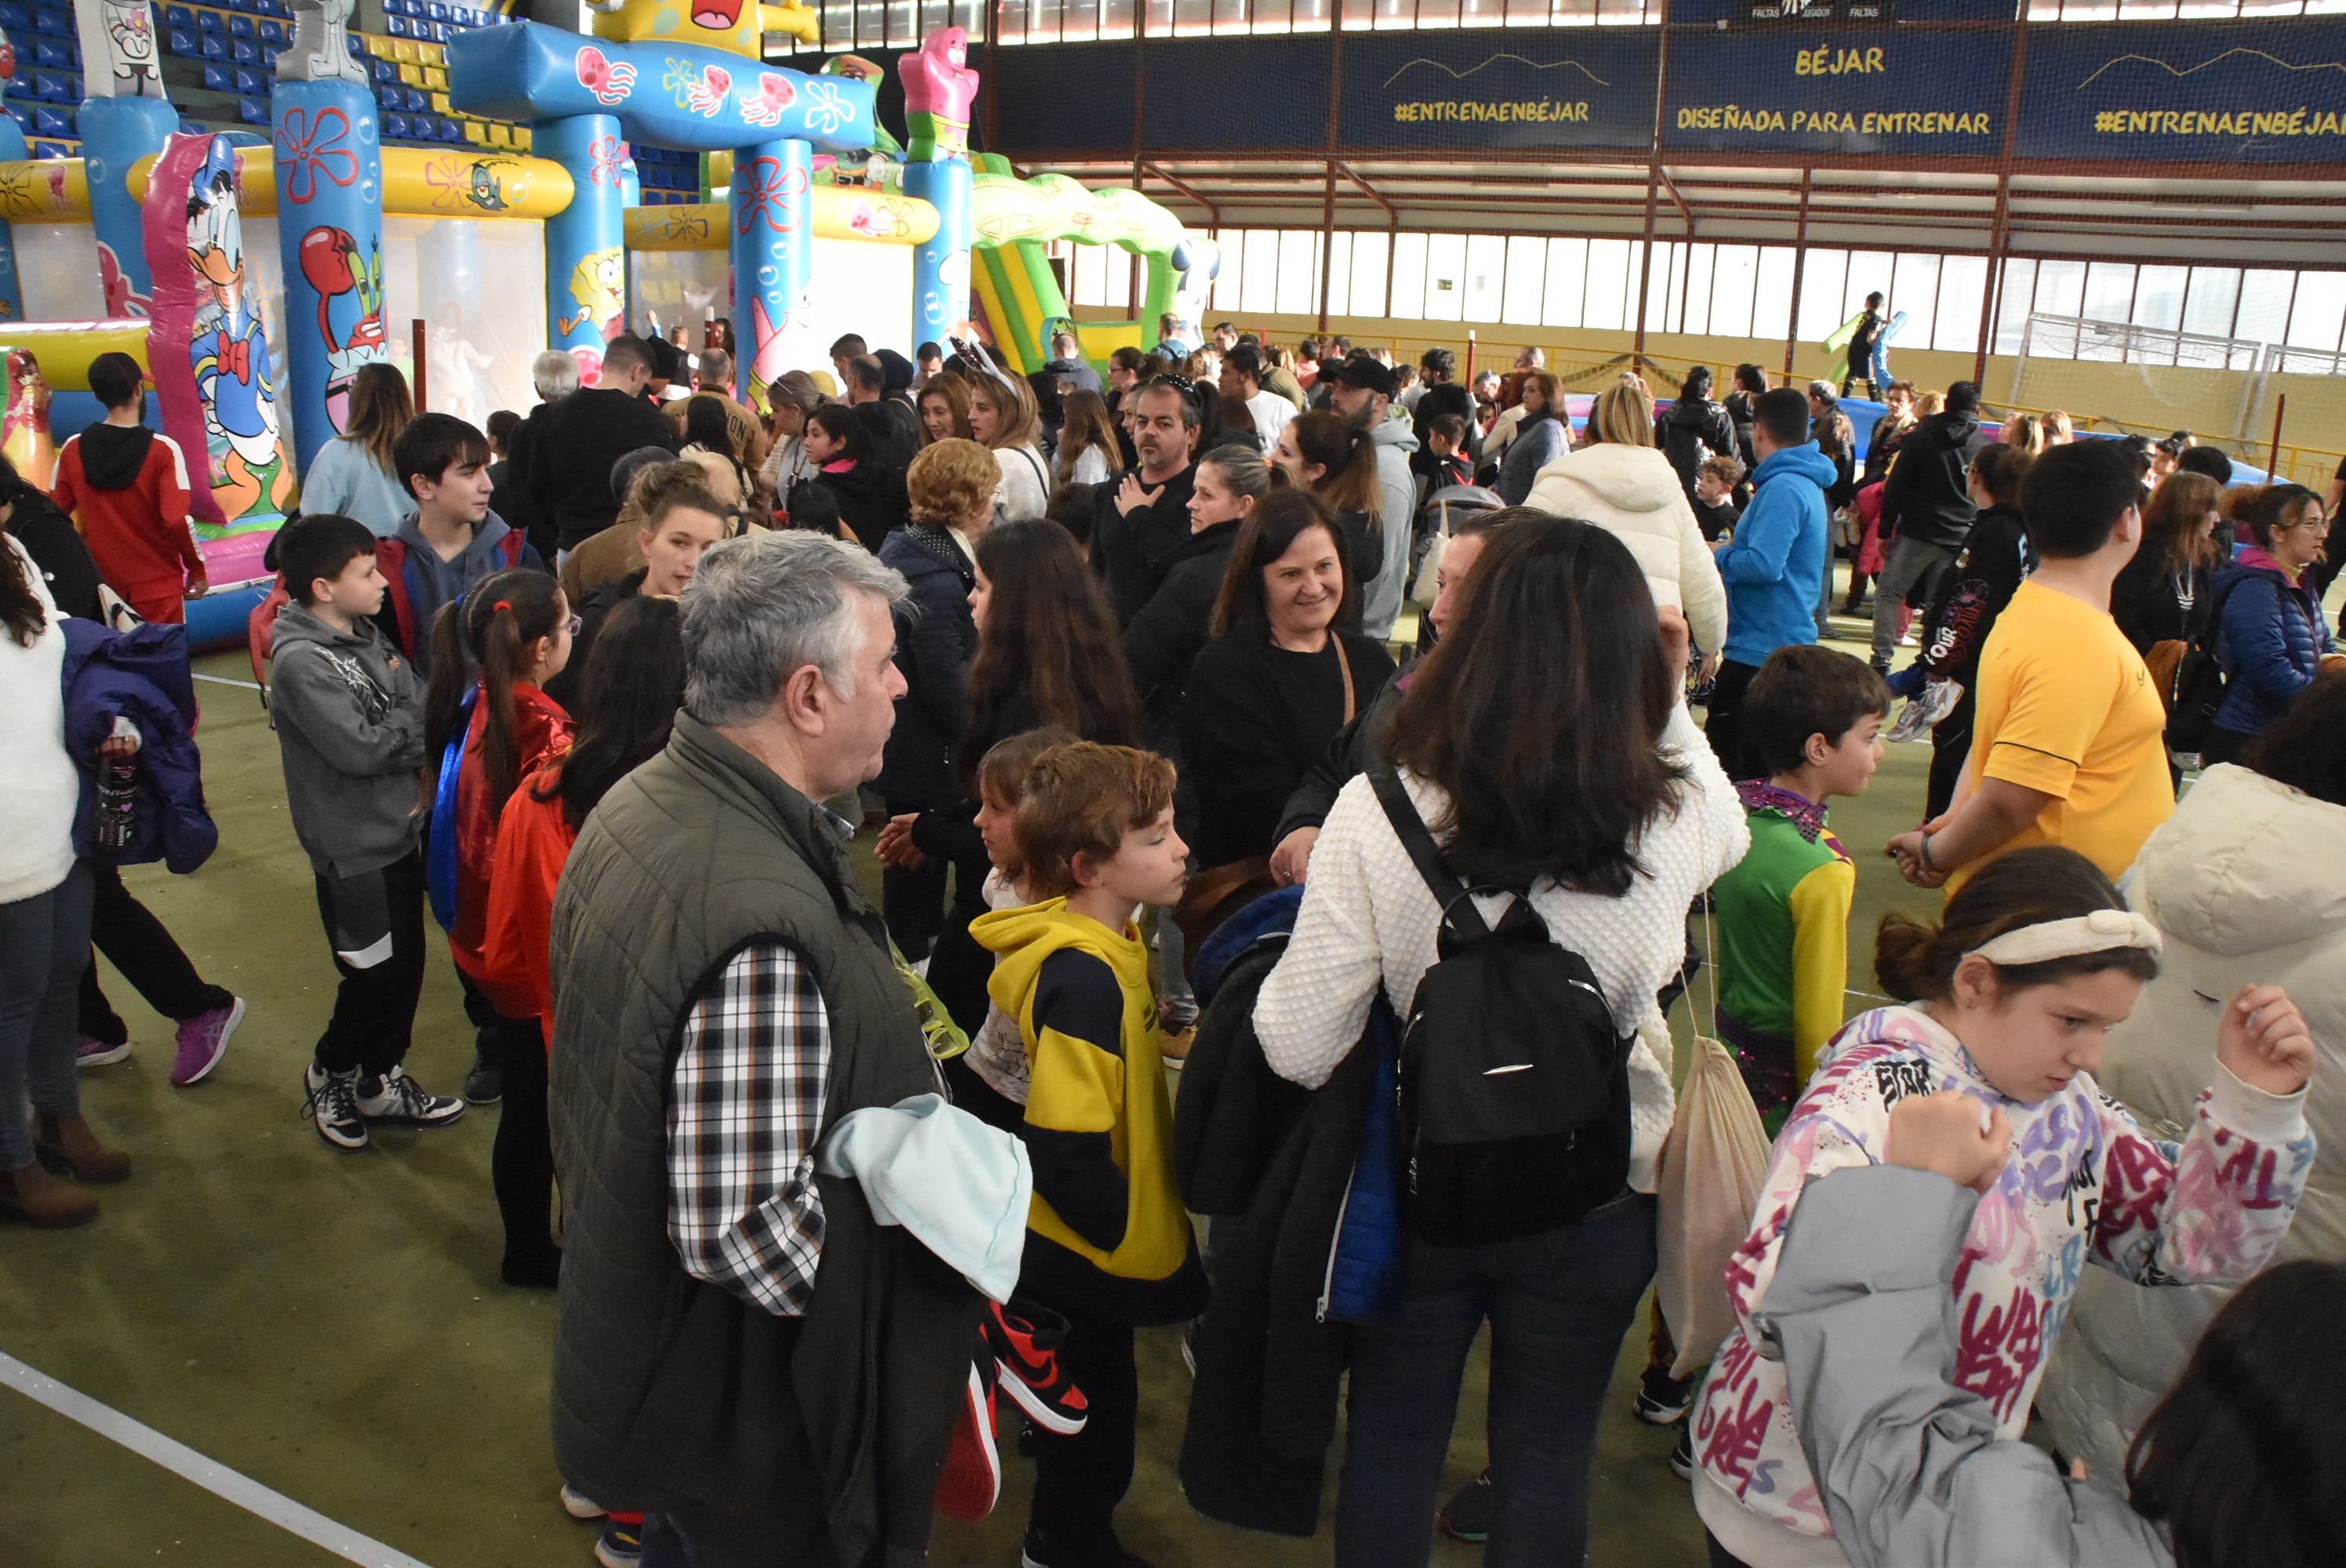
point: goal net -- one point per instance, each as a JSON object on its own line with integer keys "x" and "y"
{"x": 2177, "y": 381}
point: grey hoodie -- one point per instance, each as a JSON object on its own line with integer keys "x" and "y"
{"x": 349, "y": 708}
{"x": 1908, "y": 1465}
{"x": 1380, "y": 600}
{"x": 432, "y": 581}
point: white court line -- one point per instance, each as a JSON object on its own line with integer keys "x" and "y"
{"x": 213, "y": 1477}
{"x": 224, "y": 680}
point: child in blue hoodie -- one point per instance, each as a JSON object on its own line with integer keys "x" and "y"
{"x": 1774, "y": 566}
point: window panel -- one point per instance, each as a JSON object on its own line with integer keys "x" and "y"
{"x": 1694, "y": 294}
{"x": 2158, "y": 297}
{"x": 1660, "y": 283}
{"x": 1225, "y": 294}
{"x": 1445, "y": 278}
{"x": 1914, "y": 289}
{"x": 1771, "y": 298}
{"x": 1869, "y": 270}
{"x": 1486, "y": 276}
{"x": 2215, "y": 295}
{"x": 1734, "y": 285}
{"x": 1091, "y": 275}
{"x": 1561, "y": 302}
{"x": 1340, "y": 272}
{"x": 1962, "y": 293}
{"x": 2109, "y": 291}
{"x": 2060, "y": 289}
{"x": 1299, "y": 272}
{"x": 1408, "y": 276}
{"x": 2319, "y": 311}
{"x": 1609, "y": 279}
{"x": 1823, "y": 278}
{"x": 1526, "y": 274}
{"x": 2264, "y": 306}
{"x": 2014, "y": 300}
{"x": 1258, "y": 294}
{"x": 1368, "y": 259}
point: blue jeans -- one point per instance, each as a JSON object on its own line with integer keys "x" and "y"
{"x": 43, "y": 947}
{"x": 1559, "y": 1304}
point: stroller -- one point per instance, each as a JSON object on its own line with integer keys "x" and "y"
{"x": 1429, "y": 535}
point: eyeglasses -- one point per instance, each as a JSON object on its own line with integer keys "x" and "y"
{"x": 573, "y": 624}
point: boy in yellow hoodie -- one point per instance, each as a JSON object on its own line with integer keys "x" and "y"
{"x": 1108, "y": 1244}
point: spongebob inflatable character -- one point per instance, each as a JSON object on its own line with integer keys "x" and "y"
{"x": 737, "y": 27}
{"x": 599, "y": 285}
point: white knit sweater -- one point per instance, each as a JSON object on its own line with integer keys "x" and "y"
{"x": 43, "y": 786}
{"x": 1368, "y": 917}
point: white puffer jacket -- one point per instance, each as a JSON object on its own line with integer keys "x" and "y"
{"x": 2248, "y": 882}
{"x": 1634, "y": 492}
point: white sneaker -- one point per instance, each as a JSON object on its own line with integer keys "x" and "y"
{"x": 396, "y": 1097}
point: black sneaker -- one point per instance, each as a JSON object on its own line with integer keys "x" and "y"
{"x": 1682, "y": 1451}
{"x": 485, "y": 1084}
{"x": 1467, "y": 1516}
{"x": 396, "y": 1097}
{"x": 1663, "y": 1400}
{"x": 333, "y": 1105}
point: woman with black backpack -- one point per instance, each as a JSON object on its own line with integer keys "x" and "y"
{"x": 1545, "y": 747}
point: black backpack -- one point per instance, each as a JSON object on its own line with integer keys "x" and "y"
{"x": 2200, "y": 684}
{"x": 1514, "y": 1111}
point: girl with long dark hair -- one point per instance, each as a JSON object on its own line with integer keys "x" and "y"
{"x": 2162, "y": 595}
{"x": 635, "y": 682}
{"x": 1088, "y": 454}
{"x": 1545, "y": 744}
{"x": 491, "y": 734}
{"x": 835, "y": 444}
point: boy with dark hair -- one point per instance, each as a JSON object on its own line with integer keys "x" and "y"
{"x": 1108, "y": 1244}
{"x": 349, "y": 712}
{"x": 127, "y": 487}
{"x": 1814, "y": 717}
{"x": 1774, "y": 568}
{"x": 1714, "y": 496}
{"x": 1443, "y": 460}
{"x": 452, "y": 540}
{"x": 2068, "y": 742}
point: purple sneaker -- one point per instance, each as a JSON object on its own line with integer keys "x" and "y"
{"x": 203, "y": 1040}
{"x": 91, "y": 1052}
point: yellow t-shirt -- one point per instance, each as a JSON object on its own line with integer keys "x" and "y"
{"x": 2066, "y": 706}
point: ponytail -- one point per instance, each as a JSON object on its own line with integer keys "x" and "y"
{"x": 1349, "y": 456}
{"x": 492, "y": 627}
{"x": 1917, "y": 963}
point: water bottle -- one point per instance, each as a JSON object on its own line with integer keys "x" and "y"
{"x": 117, "y": 785}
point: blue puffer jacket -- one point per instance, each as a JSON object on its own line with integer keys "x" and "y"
{"x": 141, "y": 676}
{"x": 2272, "y": 641}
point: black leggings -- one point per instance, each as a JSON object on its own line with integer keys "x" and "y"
{"x": 521, "y": 1161}
{"x": 1080, "y": 1479}
{"x": 143, "y": 949}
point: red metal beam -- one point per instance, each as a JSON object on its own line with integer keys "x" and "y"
{"x": 1213, "y": 212}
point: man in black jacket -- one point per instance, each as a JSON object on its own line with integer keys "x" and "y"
{"x": 1141, "y": 520}
{"x": 569, "y": 474}
{"x": 1444, "y": 395}
{"x": 1926, "y": 511}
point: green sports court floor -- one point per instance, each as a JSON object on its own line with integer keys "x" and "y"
{"x": 325, "y": 1333}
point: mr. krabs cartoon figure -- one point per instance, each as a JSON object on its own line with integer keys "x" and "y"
{"x": 349, "y": 310}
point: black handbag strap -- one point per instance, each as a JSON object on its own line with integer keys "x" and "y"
{"x": 1418, "y": 839}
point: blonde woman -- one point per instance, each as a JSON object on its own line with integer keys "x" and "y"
{"x": 1621, "y": 481}
{"x": 1003, "y": 417}
{"x": 2059, "y": 431}
{"x": 2024, "y": 433}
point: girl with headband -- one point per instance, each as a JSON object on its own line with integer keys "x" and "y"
{"x": 2006, "y": 1003}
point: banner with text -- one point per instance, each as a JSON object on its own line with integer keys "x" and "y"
{"x": 1938, "y": 92}
{"x": 2189, "y": 92}
{"x": 1545, "y": 88}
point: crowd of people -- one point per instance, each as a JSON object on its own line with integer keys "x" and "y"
{"x": 1103, "y": 661}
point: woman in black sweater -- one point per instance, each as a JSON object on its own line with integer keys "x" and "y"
{"x": 2163, "y": 594}
{"x": 1278, "y": 681}
{"x": 1046, "y": 655}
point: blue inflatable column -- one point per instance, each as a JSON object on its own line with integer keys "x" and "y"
{"x": 773, "y": 214}
{"x": 114, "y": 133}
{"x": 585, "y": 256}
{"x": 12, "y": 295}
{"x": 330, "y": 242}
{"x": 941, "y": 263}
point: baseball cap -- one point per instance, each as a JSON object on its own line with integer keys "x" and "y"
{"x": 1362, "y": 370}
